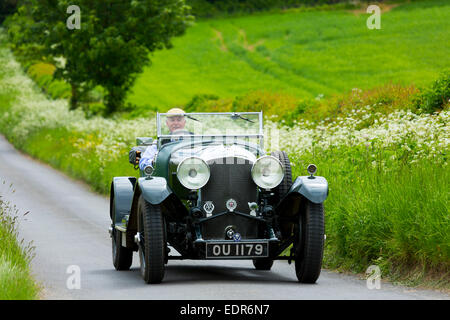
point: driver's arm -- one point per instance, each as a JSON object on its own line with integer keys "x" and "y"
{"x": 147, "y": 157}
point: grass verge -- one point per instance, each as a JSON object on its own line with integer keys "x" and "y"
{"x": 16, "y": 282}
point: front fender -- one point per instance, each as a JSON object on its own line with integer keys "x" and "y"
{"x": 121, "y": 197}
{"x": 315, "y": 189}
{"x": 154, "y": 189}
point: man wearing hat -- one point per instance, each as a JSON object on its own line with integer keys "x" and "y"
{"x": 174, "y": 123}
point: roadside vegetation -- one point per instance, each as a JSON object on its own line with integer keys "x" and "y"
{"x": 385, "y": 156}
{"x": 289, "y": 58}
{"x": 16, "y": 282}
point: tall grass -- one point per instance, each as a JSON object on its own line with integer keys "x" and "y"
{"x": 16, "y": 282}
{"x": 395, "y": 216}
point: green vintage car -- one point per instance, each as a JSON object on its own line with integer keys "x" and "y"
{"x": 213, "y": 192}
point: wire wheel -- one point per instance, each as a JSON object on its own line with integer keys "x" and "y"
{"x": 282, "y": 189}
{"x": 152, "y": 242}
{"x": 122, "y": 256}
{"x": 309, "y": 248}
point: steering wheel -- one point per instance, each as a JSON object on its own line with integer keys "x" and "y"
{"x": 181, "y": 132}
{"x": 176, "y": 135}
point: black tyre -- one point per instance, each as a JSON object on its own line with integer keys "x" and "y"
{"x": 122, "y": 256}
{"x": 263, "y": 264}
{"x": 152, "y": 244}
{"x": 282, "y": 189}
{"x": 309, "y": 249}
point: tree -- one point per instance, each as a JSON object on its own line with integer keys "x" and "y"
{"x": 112, "y": 44}
{"x": 7, "y": 7}
{"x": 24, "y": 39}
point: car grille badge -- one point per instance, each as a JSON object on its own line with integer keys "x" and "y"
{"x": 231, "y": 205}
{"x": 209, "y": 208}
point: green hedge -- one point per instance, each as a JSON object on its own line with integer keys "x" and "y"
{"x": 436, "y": 97}
{"x": 210, "y": 8}
{"x": 42, "y": 74}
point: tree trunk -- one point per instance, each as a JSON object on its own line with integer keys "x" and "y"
{"x": 74, "y": 98}
{"x": 114, "y": 99}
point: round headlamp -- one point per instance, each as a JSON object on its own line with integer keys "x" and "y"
{"x": 312, "y": 168}
{"x": 148, "y": 170}
{"x": 267, "y": 172}
{"x": 193, "y": 173}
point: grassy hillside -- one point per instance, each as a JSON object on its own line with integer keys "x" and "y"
{"x": 300, "y": 53}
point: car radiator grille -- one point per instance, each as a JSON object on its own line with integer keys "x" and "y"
{"x": 230, "y": 179}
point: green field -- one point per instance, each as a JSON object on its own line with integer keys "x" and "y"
{"x": 299, "y": 53}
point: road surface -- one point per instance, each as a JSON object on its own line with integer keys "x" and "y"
{"x": 68, "y": 225}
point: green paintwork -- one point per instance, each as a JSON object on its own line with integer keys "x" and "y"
{"x": 122, "y": 190}
{"x": 314, "y": 189}
{"x": 154, "y": 189}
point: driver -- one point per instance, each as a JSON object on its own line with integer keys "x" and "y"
{"x": 174, "y": 123}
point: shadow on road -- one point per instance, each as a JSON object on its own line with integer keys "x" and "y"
{"x": 210, "y": 274}
{"x": 189, "y": 273}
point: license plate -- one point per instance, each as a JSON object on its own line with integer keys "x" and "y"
{"x": 237, "y": 250}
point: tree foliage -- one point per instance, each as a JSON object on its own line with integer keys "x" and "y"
{"x": 7, "y": 7}
{"x": 211, "y": 8}
{"x": 112, "y": 45}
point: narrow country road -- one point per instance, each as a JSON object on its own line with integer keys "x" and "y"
{"x": 68, "y": 225}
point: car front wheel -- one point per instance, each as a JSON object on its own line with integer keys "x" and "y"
{"x": 152, "y": 243}
{"x": 309, "y": 249}
{"x": 122, "y": 257}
